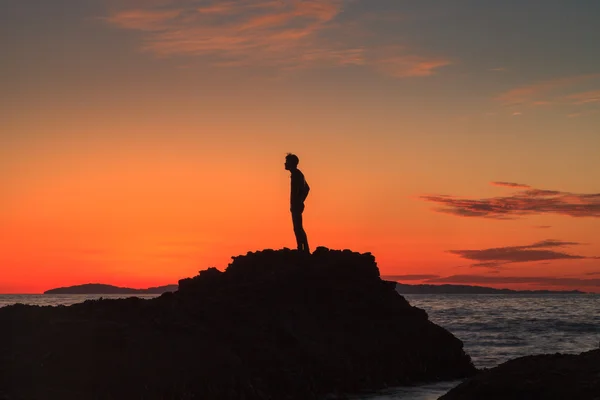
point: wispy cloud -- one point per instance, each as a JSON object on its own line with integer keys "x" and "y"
{"x": 556, "y": 92}
{"x": 535, "y": 280}
{"x": 144, "y": 20}
{"x": 542, "y": 91}
{"x": 266, "y": 33}
{"x": 497, "y": 256}
{"x": 582, "y": 113}
{"x": 243, "y": 31}
{"x": 511, "y": 184}
{"x": 415, "y": 277}
{"x": 522, "y": 203}
{"x": 542, "y": 226}
{"x": 406, "y": 65}
{"x": 585, "y": 97}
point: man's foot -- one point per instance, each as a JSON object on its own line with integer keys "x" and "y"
{"x": 303, "y": 252}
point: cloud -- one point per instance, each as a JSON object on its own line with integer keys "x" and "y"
{"x": 409, "y": 277}
{"x": 497, "y": 256}
{"x": 245, "y": 30}
{"x": 410, "y": 65}
{"x": 286, "y": 35}
{"x": 540, "y": 91}
{"x": 143, "y": 20}
{"x": 487, "y": 264}
{"x": 582, "y": 113}
{"x": 522, "y": 203}
{"x": 511, "y": 184}
{"x": 556, "y": 92}
{"x": 585, "y": 97}
{"x": 543, "y": 226}
{"x": 535, "y": 280}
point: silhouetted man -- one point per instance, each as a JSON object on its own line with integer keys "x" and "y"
{"x": 298, "y": 194}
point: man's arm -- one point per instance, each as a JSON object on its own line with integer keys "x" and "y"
{"x": 306, "y": 190}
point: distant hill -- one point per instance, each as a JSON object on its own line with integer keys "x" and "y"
{"x": 468, "y": 289}
{"x": 98, "y": 288}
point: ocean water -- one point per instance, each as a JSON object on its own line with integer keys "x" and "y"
{"x": 493, "y": 328}
{"x": 496, "y": 328}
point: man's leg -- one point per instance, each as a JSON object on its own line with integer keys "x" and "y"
{"x": 304, "y": 237}
{"x": 301, "y": 239}
{"x": 305, "y": 242}
{"x": 298, "y": 230}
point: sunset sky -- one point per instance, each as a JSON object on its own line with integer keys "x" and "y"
{"x": 144, "y": 140}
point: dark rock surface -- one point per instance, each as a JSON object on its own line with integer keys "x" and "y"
{"x": 274, "y": 325}
{"x": 547, "y": 377}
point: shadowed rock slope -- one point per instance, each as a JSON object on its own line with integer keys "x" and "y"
{"x": 274, "y": 325}
{"x": 538, "y": 377}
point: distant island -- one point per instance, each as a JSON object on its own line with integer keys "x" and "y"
{"x": 468, "y": 289}
{"x": 98, "y": 288}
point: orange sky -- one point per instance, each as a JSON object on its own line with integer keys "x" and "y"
{"x": 144, "y": 141}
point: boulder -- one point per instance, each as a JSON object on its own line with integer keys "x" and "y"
{"x": 537, "y": 377}
{"x": 273, "y": 325}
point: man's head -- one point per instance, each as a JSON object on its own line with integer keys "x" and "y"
{"x": 291, "y": 162}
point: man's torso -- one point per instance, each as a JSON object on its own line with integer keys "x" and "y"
{"x": 297, "y": 188}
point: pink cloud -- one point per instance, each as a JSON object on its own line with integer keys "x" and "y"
{"x": 217, "y": 8}
{"x": 143, "y": 20}
{"x": 545, "y": 93}
{"x": 592, "y": 96}
{"x": 511, "y": 184}
{"x": 524, "y": 202}
{"x": 410, "y": 65}
{"x": 266, "y": 33}
{"x": 498, "y": 256}
{"x": 582, "y": 113}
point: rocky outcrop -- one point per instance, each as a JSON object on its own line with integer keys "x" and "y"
{"x": 538, "y": 377}
{"x": 274, "y": 325}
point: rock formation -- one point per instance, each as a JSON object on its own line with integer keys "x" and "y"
{"x": 274, "y": 325}
{"x": 538, "y": 377}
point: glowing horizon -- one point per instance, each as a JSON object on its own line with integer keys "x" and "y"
{"x": 144, "y": 141}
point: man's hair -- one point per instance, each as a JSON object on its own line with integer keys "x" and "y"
{"x": 292, "y": 159}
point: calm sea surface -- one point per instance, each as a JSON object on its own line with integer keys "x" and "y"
{"x": 497, "y": 328}
{"x": 494, "y": 328}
